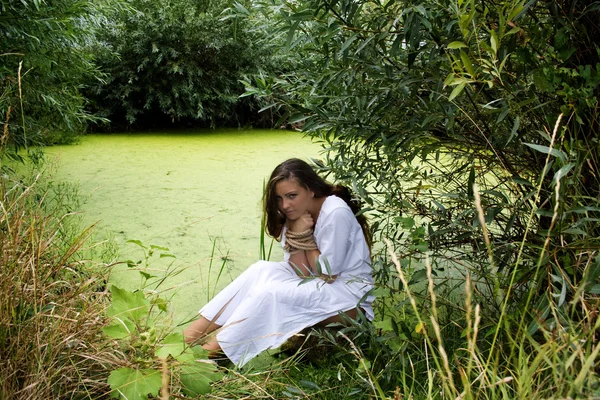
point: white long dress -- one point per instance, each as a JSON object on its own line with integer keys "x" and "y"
{"x": 269, "y": 302}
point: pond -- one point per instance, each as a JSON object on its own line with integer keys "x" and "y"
{"x": 190, "y": 192}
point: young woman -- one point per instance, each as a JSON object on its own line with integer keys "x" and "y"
{"x": 326, "y": 269}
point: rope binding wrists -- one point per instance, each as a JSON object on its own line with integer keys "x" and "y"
{"x": 299, "y": 241}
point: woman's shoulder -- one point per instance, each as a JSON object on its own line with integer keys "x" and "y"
{"x": 333, "y": 202}
{"x": 334, "y": 205}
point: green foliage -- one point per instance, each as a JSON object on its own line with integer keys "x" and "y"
{"x": 134, "y": 384}
{"x": 52, "y": 298}
{"x": 174, "y": 62}
{"x": 43, "y": 64}
{"x": 153, "y": 352}
{"x": 470, "y": 130}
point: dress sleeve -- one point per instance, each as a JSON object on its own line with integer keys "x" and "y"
{"x": 334, "y": 241}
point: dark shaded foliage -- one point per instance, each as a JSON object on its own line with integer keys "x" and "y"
{"x": 43, "y": 64}
{"x": 175, "y": 63}
{"x": 419, "y": 101}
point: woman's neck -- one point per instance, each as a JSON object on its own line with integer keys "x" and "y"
{"x": 316, "y": 209}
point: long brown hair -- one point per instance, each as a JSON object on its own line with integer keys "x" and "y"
{"x": 306, "y": 176}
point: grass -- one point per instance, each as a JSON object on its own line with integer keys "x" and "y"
{"x": 51, "y": 300}
{"x": 439, "y": 345}
{"x": 439, "y": 341}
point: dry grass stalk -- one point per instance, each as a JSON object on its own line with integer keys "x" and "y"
{"x": 51, "y": 304}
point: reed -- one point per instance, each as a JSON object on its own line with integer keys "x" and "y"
{"x": 52, "y": 300}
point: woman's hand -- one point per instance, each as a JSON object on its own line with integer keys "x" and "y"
{"x": 301, "y": 224}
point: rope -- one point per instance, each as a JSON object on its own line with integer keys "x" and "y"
{"x": 299, "y": 241}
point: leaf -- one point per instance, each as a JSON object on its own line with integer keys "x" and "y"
{"x": 420, "y": 328}
{"x": 514, "y": 129}
{"x": 126, "y": 304}
{"x": 467, "y": 63}
{"x": 119, "y": 329}
{"x": 160, "y": 303}
{"x": 562, "y": 172}
{"x": 172, "y": 345}
{"x": 406, "y": 222}
{"x": 138, "y": 242}
{"x": 545, "y": 149}
{"x": 291, "y": 33}
{"x": 457, "y": 90}
{"x": 595, "y": 289}
{"x": 494, "y": 42}
{"x": 471, "y": 182}
{"x": 347, "y": 43}
{"x": 133, "y": 384}
{"x": 304, "y": 15}
{"x": 241, "y": 9}
{"x": 155, "y": 247}
{"x": 195, "y": 378}
{"x": 146, "y": 275}
{"x": 418, "y": 276}
{"x": 456, "y": 45}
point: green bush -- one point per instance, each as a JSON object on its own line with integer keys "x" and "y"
{"x": 43, "y": 65}
{"x": 470, "y": 129}
{"x": 175, "y": 63}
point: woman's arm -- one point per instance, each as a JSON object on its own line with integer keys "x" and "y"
{"x": 313, "y": 257}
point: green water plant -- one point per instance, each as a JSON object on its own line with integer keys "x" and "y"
{"x": 155, "y": 359}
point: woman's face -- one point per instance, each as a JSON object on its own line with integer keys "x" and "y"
{"x": 293, "y": 199}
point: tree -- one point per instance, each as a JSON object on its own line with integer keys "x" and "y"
{"x": 418, "y": 101}
{"x": 175, "y": 62}
{"x": 43, "y": 64}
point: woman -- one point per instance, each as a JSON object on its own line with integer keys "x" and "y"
{"x": 326, "y": 269}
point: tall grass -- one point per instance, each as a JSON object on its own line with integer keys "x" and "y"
{"x": 52, "y": 301}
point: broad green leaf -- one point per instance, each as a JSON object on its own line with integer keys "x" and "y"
{"x": 241, "y": 9}
{"x": 514, "y": 129}
{"x": 347, "y": 43}
{"x": 160, "y": 303}
{"x": 195, "y": 378}
{"x": 595, "y": 289}
{"x": 127, "y": 304}
{"x": 133, "y": 384}
{"x": 406, "y": 222}
{"x": 304, "y": 15}
{"x": 119, "y": 328}
{"x": 146, "y": 275}
{"x": 172, "y": 345}
{"x": 385, "y": 325}
{"x": 574, "y": 231}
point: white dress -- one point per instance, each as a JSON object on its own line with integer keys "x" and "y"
{"x": 268, "y": 303}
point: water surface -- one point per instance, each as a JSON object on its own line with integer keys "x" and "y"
{"x": 184, "y": 191}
